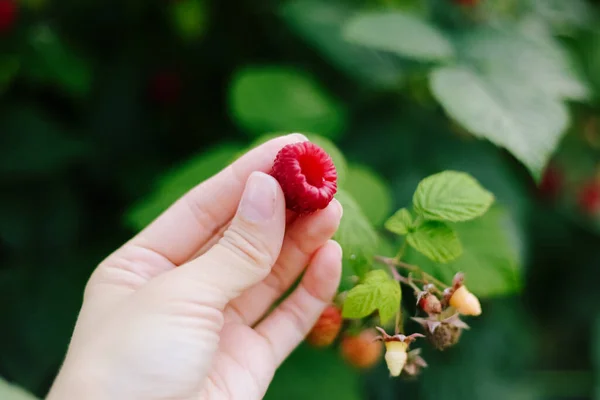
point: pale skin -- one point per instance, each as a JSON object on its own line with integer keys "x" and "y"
{"x": 185, "y": 310}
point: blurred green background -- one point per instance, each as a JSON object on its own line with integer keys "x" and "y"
{"x": 109, "y": 110}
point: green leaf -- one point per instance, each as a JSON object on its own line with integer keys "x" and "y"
{"x": 399, "y": 33}
{"x": 492, "y": 255}
{"x": 177, "y": 182}
{"x": 370, "y": 191}
{"x": 319, "y": 23}
{"x": 356, "y": 236}
{"x": 189, "y": 18}
{"x": 435, "y": 240}
{"x": 451, "y": 196}
{"x": 378, "y": 291}
{"x": 50, "y": 61}
{"x": 12, "y": 392}
{"x": 400, "y": 223}
{"x": 318, "y": 374}
{"x": 267, "y": 99}
{"x": 543, "y": 65}
{"x": 508, "y": 113}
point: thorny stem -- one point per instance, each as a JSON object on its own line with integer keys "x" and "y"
{"x": 392, "y": 263}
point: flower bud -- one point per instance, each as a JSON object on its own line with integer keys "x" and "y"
{"x": 395, "y": 356}
{"x": 465, "y": 302}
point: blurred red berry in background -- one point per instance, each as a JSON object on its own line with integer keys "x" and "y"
{"x": 8, "y": 15}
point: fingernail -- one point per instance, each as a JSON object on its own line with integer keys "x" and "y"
{"x": 298, "y": 136}
{"x": 258, "y": 200}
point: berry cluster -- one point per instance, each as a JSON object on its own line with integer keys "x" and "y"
{"x": 442, "y": 326}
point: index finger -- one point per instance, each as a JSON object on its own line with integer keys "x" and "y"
{"x": 193, "y": 219}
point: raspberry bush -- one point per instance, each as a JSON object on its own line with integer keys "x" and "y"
{"x": 465, "y": 140}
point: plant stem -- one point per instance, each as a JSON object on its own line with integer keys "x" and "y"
{"x": 400, "y": 253}
{"x": 393, "y": 263}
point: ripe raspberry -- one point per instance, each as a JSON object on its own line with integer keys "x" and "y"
{"x": 8, "y": 15}
{"x": 589, "y": 198}
{"x": 552, "y": 183}
{"x": 327, "y": 328}
{"x": 307, "y": 176}
{"x": 361, "y": 351}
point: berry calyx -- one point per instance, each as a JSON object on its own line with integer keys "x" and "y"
{"x": 396, "y": 347}
{"x": 414, "y": 363}
{"x": 442, "y": 333}
{"x": 8, "y": 15}
{"x": 326, "y": 328}
{"x": 361, "y": 351}
{"x": 589, "y": 198}
{"x": 307, "y": 176}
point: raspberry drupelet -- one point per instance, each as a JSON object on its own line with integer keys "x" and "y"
{"x": 307, "y": 176}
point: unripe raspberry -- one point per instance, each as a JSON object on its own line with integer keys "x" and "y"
{"x": 429, "y": 303}
{"x": 361, "y": 351}
{"x": 465, "y": 302}
{"x": 396, "y": 356}
{"x": 326, "y": 328}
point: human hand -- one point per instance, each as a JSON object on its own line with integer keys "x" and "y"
{"x": 183, "y": 310}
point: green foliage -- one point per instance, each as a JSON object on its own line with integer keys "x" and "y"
{"x": 314, "y": 374}
{"x": 50, "y": 62}
{"x": 451, "y": 196}
{"x": 527, "y": 123}
{"x": 356, "y": 236}
{"x": 372, "y": 193}
{"x": 377, "y": 292}
{"x": 189, "y": 18}
{"x": 12, "y": 392}
{"x": 436, "y": 240}
{"x": 319, "y": 24}
{"x": 273, "y": 98}
{"x": 387, "y": 31}
{"x": 400, "y": 223}
{"x": 177, "y": 182}
{"x": 491, "y": 259}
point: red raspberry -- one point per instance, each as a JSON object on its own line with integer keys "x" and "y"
{"x": 552, "y": 182}
{"x": 362, "y": 351}
{"x": 327, "y": 328}
{"x": 8, "y": 14}
{"x": 307, "y": 176}
{"x": 589, "y": 198}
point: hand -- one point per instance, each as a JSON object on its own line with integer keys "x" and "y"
{"x": 183, "y": 310}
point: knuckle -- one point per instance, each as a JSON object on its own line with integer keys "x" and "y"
{"x": 248, "y": 247}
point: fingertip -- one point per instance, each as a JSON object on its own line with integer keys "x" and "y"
{"x": 299, "y": 137}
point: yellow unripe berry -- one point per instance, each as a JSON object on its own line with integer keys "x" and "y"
{"x": 465, "y": 302}
{"x": 395, "y": 356}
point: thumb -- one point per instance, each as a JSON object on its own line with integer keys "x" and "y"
{"x": 249, "y": 247}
